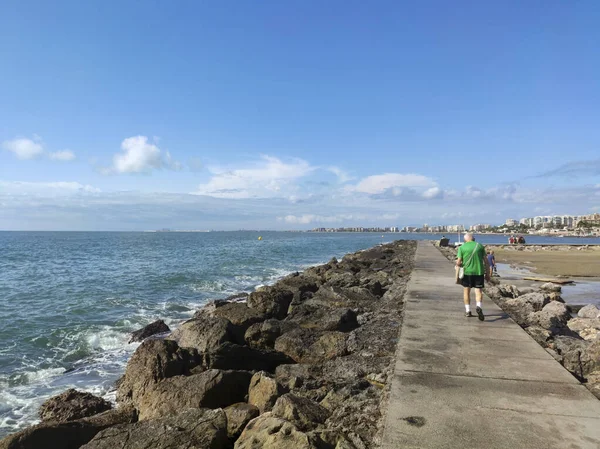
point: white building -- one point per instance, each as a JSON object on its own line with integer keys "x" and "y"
{"x": 511, "y": 222}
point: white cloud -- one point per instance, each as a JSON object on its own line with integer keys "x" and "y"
{"x": 64, "y": 155}
{"x": 140, "y": 156}
{"x": 380, "y": 183}
{"x": 310, "y": 218}
{"x": 432, "y": 192}
{"x": 24, "y": 148}
{"x": 342, "y": 175}
{"x": 266, "y": 178}
{"x": 46, "y": 189}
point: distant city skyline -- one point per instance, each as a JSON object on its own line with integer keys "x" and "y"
{"x": 297, "y": 114}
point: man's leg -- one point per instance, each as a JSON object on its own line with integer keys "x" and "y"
{"x": 467, "y": 300}
{"x": 479, "y": 299}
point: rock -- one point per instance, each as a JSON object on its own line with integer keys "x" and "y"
{"x": 273, "y": 302}
{"x": 341, "y": 279}
{"x": 555, "y": 297}
{"x": 268, "y": 432}
{"x": 153, "y": 361}
{"x": 553, "y": 316}
{"x": 241, "y": 316}
{"x": 205, "y": 333}
{"x": 264, "y": 391}
{"x": 72, "y": 405}
{"x": 580, "y": 357}
{"x": 263, "y": 335}
{"x": 67, "y": 435}
{"x": 589, "y": 311}
{"x": 503, "y": 291}
{"x": 238, "y": 416}
{"x": 302, "y": 412}
{"x": 587, "y": 328}
{"x": 158, "y": 327}
{"x": 196, "y": 428}
{"x": 211, "y": 389}
{"x": 520, "y": 308}
{"x": 593, "y": 384}
{"x": 540, "y": 335}
{"x": 550, "y": 287}
{"x": 307, "y": 346}
{"x": 237, "y": 297}
{"x": 310, "y": 316}
{"x": 232, "y": 356}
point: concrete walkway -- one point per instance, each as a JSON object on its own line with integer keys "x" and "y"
{"x": 460, "y": 383}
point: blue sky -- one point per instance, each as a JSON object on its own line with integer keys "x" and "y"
{"x": 291, "y": 115}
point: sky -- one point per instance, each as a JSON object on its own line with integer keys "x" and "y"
{"x": 225, "y": 115}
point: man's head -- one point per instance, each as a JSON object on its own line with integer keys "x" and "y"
{"x": 468, "y": 237}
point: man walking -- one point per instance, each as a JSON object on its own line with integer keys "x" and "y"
{"x": 472, "y": 257}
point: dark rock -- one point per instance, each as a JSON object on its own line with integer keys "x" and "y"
{"x": 269, "y": 432}
{"x": 153, "y": 361}
{"x": 196, "y": 428}
{"x": 308, "y": 346}
{"x": 72, "y": 405}
{"x": 241, "y": 316}
{"x": 264, "y": 391}
{"x": 580, "y": 357}
{"x": 232, "y": 356}
{"x": 204, "y": 333}
{"x": 238, "y": 297}
{"x": 272, "y": 301}
{"x": 158, "y": 327}
{"x": 67, "y": 435}
{"x": 302, "y": 412}
{"x": 309, "y": 316}
{"x": 263, "y": 335}
{"x": 212, "y": 389}
{"x": 238, "y": 416}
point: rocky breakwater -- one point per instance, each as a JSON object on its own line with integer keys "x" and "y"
{"x": 573, "y": 341}
{"x": 301, "y": 364}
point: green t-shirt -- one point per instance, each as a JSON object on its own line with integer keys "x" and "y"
{"x": 472, "y": 265}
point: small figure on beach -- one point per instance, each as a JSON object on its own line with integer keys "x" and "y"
{"x": 521, "y": 240}
{"x": 511, "y": 240}
{"x": 491, "y": 262}
{"x": 472, "y": 258}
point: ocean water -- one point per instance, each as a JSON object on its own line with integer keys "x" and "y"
{"x": 70, "y": 299}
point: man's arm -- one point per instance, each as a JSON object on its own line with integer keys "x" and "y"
{"x": 459, "y": 257}
{"x": 486, "y": 264}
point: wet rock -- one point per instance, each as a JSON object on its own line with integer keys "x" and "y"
{"x": 211, "y": 389}
{"x": 551, "y": 287}
{"x": 196, "y": 428}
{"x": 205, "y": 333}
{"x": 553, "y": 316}
{"x": 300, "y": 411}
{"x": 273, "y": 302}
{"x": 587, "y": 328}
{"x": 158, "y": 327}
{"x": 67, "y": 435}
{"x": 232, "y": 356}
{"x": 269, "y": 432}
{"x": 238, "y": 416}
{"x": 308, "y": 346}
{"x": 72, "y": 405}
{"x": 153, "y": 361}
{"x": 264, "y": 391}
{"x": 589, "y": 311}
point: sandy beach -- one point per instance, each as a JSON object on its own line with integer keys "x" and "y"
{"x": 583, "y": 261}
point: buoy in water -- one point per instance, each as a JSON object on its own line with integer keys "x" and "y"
{"x": 259, "y": 237}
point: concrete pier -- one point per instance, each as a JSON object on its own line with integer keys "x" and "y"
{"x": 461, "y": 383}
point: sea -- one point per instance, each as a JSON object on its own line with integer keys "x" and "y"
{"x": 69, "y": 300}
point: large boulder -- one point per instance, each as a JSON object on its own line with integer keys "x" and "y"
{"x": 580, "y": 357}
{"x": 72, "y": 405}
{"x": 520, "y": 308}
{"x": 241, "y": 316}
{"x": 264, "y": 391}
{"x": 551, "y": 287}
{"x": 212, "y": 389}
{"x": 553, "y": 316}
{"x": 272, "y": 301}
{"x": 232, "y": 356}
{"x": 309, "y": 316}
{"x": 269, "y": 432}
{"x": 195, "y": 428}
{"x": 589, "y": 311}
{"x": 542, "y": 336}
{"x": 300, "y": 411}
{"x": 238, "y": 415}
{"x": 205, "y": 333}
{"x": 308, "y": 346}
{"x": 158, "y": 327}
{"x": 153, "y": 361}
{"x": 67, "y": 435}
{"x": 587, "y": 328}
{"x": 263, "y": 335}
{"x": 503, "y": 291}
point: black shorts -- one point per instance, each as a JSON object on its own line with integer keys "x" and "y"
{"x": 473, "y": 280}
